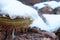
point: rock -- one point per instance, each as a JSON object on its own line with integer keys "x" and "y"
{"x": 30, "y": 2}
{"x": 42, "y": 35}
{"x": 2, "y": 35}
{"x": 58, "y": 33}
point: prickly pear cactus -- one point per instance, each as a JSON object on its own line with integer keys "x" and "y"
{"x": 17, "y": 23}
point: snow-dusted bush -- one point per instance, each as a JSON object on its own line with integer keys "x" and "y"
{"x": 14, "y": 9}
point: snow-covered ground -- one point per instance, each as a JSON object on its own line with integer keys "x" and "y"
{"x": 52, "y": 4}
{"x": 53, "y": 21}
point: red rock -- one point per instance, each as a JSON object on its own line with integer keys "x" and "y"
{"x": 30, "y": 2}
{"x": 2, "y": 35}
